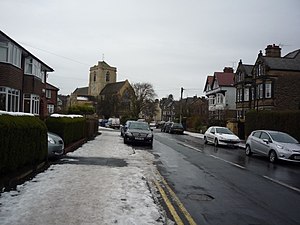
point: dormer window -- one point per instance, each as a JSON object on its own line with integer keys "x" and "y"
{"x": 259, "y": 70}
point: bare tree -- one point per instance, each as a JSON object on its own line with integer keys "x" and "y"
{"x": 143, "y": 100}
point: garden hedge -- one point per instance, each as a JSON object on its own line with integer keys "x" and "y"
{"x": 285, "y": 121}
{"x": 23, "y": 142}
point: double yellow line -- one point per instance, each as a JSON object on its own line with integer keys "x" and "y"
{"x": 170, "y": 206}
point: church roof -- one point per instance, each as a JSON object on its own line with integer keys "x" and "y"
{"x": 112, "y": 88}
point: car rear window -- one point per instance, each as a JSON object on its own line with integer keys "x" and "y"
{"x": 256, "y": 134}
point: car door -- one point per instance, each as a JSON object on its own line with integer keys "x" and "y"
{"x": 211, "y": 135}
{"x": 255, "y": 139}
{"x": 263, "y": 145}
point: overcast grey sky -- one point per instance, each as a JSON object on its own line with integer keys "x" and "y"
{"x": 168, "y": 43}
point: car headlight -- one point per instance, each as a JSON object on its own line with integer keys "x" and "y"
{"x": 279, "y": 146}
{"x": 128, "y": 134}
{"x": 150, "y": 135}
{"x": 51, "y": 140}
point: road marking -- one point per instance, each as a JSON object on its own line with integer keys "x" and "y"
{"x": 283, "y": 184}
{"x": 231, "y": 163}
{"x": 178, "y": 202}
{"x": 169, "y": 204}
{"x": 189, "y": 146}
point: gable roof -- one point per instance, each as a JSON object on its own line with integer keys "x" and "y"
{"x": 4, "y": 37}
{"x": 224, "y": 79}
{"x": 81, "y": 91}
{"x": 112, "y": 88}
{"x": 209, "y": 81}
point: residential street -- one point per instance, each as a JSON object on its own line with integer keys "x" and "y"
{"x": 178, "y": 181}
{"x": 103, "y": 182}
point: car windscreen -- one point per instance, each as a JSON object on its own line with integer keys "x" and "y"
{"x": 283, "y": 137}
{"x": 139, "y": 126}
{"x": 177, "y": 125}
{"x": 221, "y": 130}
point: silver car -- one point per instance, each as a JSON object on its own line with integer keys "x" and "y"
{"x": 55, "y": 145}
{"x": 221, "y": 136}
{"x": 273, "y": 144}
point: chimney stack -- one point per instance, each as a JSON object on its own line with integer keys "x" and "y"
{"x": 228, "y": 70}
{"x": 273, "y": 51}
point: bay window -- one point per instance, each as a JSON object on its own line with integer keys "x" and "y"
{"x": 268, "y": 90}
{"x": 9, "y": 99}
{"x": 10, "y": 53}
{"x": 33, "y": 67}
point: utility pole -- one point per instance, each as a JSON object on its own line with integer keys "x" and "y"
{"x": 180, "y": 117}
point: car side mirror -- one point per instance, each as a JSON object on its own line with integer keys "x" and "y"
{"x": 266, "y": 141}
{"x": 212, "y": 132}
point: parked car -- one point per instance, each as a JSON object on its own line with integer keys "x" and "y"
{"x": 273, "y": 144}
{"x": 138, "y": 132}
{"x": 160, "y": 124}
{"x": 125, "y": 127}
{"x": 55, "y": 145}
{"x": 176, "y": 128}
{"x": 113, "y": 123}
{"x": 152, "y": 124}
{"x": 166, "y": 126}
{"x": 102, "y": 122}
{"x": 221, "y": 136}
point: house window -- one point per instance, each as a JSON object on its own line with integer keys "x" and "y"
{"x": 252, "y": 93}
{"x": 246, "y": 94}
{"x": 259, "y": 70}
{"x": 95, "y": 76}
{"x": 260, "y": 90}
{"x": 48, "y": 93}
{"x": 32, "y": 103}
{"x": 107, "y": 76}
{"x": 33, "y": 67}
{"x": 10, "y": 53}
{"x": 268, "y": 88}
{"x": 50, "y": 108}
{"x": 9, "y": 99}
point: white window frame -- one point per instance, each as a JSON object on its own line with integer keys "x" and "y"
{"x": 13, "y": 53}
{"x": 34, "y": 107}
{"x": 246, "y": 94}
{"x": 12, "y": 99}
{"x": 33, "y": 67}
{"x": 50, "y": 108}
{"x": 268, "y": 90}
{"x": 48, "y": 93}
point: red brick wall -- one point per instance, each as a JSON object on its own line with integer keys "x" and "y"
{"x": 11, "y": 76}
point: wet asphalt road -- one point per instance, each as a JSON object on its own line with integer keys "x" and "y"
{"x": 223, "y": 186}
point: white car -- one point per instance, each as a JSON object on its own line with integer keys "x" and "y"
{"x": 221, "y": 136}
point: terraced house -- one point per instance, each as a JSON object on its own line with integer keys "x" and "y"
{"x": 23, "y": 86}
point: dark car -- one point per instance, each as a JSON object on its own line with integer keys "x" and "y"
{"x": 166, "y": 126}
{"x": 138, "y": 132}
{"x": 125, "y": 127}
{"x": 176, "y": 128}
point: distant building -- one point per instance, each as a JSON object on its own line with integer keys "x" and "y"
{"x": 101, "y": 75}
{"x": 221, "y": 94}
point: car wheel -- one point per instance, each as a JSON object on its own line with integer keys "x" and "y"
{"x": 248, "y": 151}
{"x": 205, "y": 140}
{"x": 216, "y": 142}
{"x": 125, "y": 141}
{"x": 272, "y": 156}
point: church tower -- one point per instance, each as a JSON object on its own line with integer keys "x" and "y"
{"x": 100, "y": 75}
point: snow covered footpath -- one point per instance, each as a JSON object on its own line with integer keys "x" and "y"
{"x": 73, "y": 192}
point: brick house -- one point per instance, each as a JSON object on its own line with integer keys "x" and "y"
{"x": 221, "y": 93}
{"x": 276, "y": 80}
{"x": 272, "y": 83}
{"x": 243, "y": 83}
{"x": 168, "y": 108}
{"x": 22, "y": 79}
{"x": 51, "y": 98}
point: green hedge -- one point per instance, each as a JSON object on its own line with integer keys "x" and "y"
{"x": 69, "y": 129}
{"x": 285, "y": 121}
{"x": 23, "y": 141}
